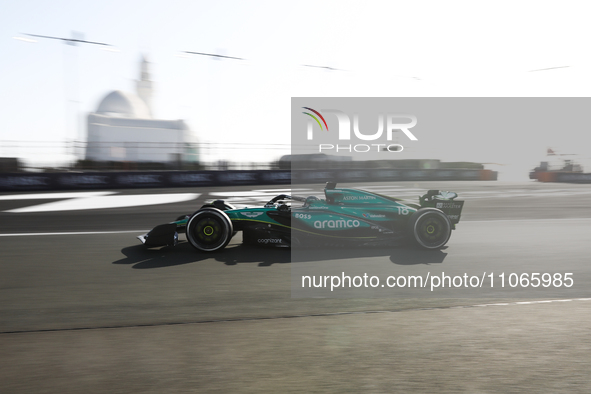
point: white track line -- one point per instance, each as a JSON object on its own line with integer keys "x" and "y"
{"x": 106, "y": 202}
{"x": 523, "y": 303}
{"x": 74, "y": 233}
{"x": 524, "y": 220}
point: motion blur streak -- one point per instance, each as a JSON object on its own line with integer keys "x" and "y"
{"x": 104, "y": 202}
{"x": 107, "y": 279}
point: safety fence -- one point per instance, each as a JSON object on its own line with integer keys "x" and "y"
{"x": 165, "y": 179}
{"x": 565, "y": 177}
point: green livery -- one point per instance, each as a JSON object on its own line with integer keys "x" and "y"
{"x": 343, "y": 216}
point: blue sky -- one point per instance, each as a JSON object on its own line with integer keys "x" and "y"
{"x": 455, "y": 48}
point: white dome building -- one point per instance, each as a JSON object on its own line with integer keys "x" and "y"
{"x": 121, "y": 104}
{"x": 122, "y": 129}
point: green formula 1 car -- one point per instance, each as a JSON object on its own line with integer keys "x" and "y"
{"x": 344, "y": 216}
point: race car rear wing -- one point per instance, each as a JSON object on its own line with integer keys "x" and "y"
{"x": 444, "y": 201}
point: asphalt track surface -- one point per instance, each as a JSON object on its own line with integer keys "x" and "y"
{"x": 83, "y": 304}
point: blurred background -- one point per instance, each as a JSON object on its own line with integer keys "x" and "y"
{"x": 153, "y": 85}
{"x": 138, "y": 85}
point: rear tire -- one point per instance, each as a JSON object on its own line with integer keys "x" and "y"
{"x": 209, "y": 229}
{"x": 429, "y": 228}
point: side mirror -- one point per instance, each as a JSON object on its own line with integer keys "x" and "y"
{"x": 448, "y": 195}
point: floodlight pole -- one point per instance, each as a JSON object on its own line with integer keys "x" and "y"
{"x": 76, "y": 39}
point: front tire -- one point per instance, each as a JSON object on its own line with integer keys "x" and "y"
{"x": 429, "y": 228}
{"x": 209, "y": 229}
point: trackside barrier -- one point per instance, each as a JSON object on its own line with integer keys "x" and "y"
{"x": 565, "y": 177}
{"x": 166, "y": 179}
{"x": 572, "y": 177}
{"x": 374, "y": 175}
{"x": 546, "y": 176}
